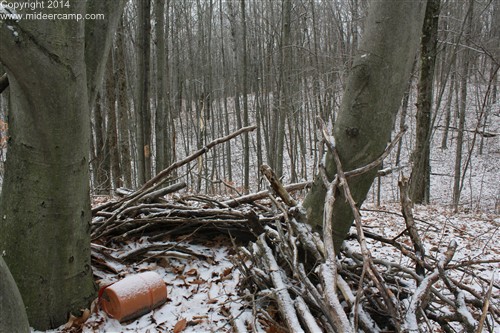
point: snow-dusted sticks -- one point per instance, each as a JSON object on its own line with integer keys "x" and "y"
{"x": 277, "y": 186}
{"x": 328, "y": 269}
{"x": 421, "y": 296}
{"x": 406, "y": 208}
{"x": 252, "y": 197}
{"x": 162, "y": 218}
{"x": 340, "y": 181}
{"x": 157, "y": 181}
{"x": 404, "y": 295}
{"x": 292, "y": 278}
{"x": 280, "y": 285}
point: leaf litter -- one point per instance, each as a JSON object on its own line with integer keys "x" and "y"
{"x": 205, "y": 288}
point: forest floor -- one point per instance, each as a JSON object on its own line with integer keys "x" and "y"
{"x": 208, "y": 292}
{"x": 204, "y": 285}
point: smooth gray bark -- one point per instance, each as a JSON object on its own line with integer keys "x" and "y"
{"x": 12, "y": 314}
{"x": 45, "y": 203}
{"x": 372, "y": 97}
{"x": 123, "y": 110}
{"x": 4, "y": 82}
{"x": 244, "y": 60}
{"x": 98, "y": 39}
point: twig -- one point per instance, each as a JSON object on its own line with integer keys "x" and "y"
{"x": 164, "y": 191}
{"x": 406, "y": 209}
{"x": 281, "y": 291}
{"x": 361, "y": 170}
{"x": 387, "y": 295}
{"x": 263, "y": 194}
{"x": 277, "y": 186}
{"x": 357, "y": 311}
{"x": 162, "y": 177}
{"x": 420, "y": 296}
{"x": 461, "y": 309}
{"x": 306, "y": 315}
{"x": 485, "y": 306}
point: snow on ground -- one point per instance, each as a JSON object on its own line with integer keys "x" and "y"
{"x": 205, "y": 293}
{"x": 477, "y": 235}
{"x": 203, "y": 290}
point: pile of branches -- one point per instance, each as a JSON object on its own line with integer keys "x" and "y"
{"x": 147, "y": 211}
{"x": 313, "y": 288}
{"x": 158, "y": 211}
{"x": 318, "y": 290}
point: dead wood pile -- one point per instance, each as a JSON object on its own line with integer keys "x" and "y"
{"x": 296, "y": 270}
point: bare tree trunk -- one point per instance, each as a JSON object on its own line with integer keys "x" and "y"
{"x": 447, "y": 108}
{"x": 402, "y": 118}
{"x": 228, "y": 173}
{"x": 421, "y": 173}
{"x": 123, "y": 111}
{"x": 112, "y": 136}
{"x": 143, "y": 96}
{"x": 246, "y": 138}
{"x": 100, "y": 171}
{"x": 47, "y": 243}
{"x": 462, "y": 110}
{"x": 283, "y": 99}
{"x": 162, "y": 129}
{"x": 371, "y": 100}
{"x": 495, "y": 63}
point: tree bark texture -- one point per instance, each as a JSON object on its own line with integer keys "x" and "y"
{"x": 421, "y": 172}
{"x": 143, "y": 110}
{"x": 123, "y": 110}
{"x": 372, "y": 97}
{"x": 4, "y": 82}
{"x": 12, "y": 314}
{"x": 46, "y": 242}
{"x": 161, "y": 124}
{"x": 457, "y": 179}
{"x": 98, "y": 39}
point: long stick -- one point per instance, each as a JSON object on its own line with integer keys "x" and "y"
{"x": 155, "y": 182}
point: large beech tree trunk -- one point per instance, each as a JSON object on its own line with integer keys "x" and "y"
{"x": 45, "y": 203}
{"x": 373, "y": 94}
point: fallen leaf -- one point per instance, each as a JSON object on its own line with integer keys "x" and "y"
{"x": 164, "y": 262}
{"x": 180, "y": 326}
{"x": 78, "y": 321}
{"x": 197, "y": 281}
{"x": 179, "y": 269}
{"x": 227, "y": 271}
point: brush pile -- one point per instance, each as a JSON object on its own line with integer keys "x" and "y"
{"x": 293, "y": 281}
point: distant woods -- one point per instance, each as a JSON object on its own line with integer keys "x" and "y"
{"x": 184, "y": 72}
